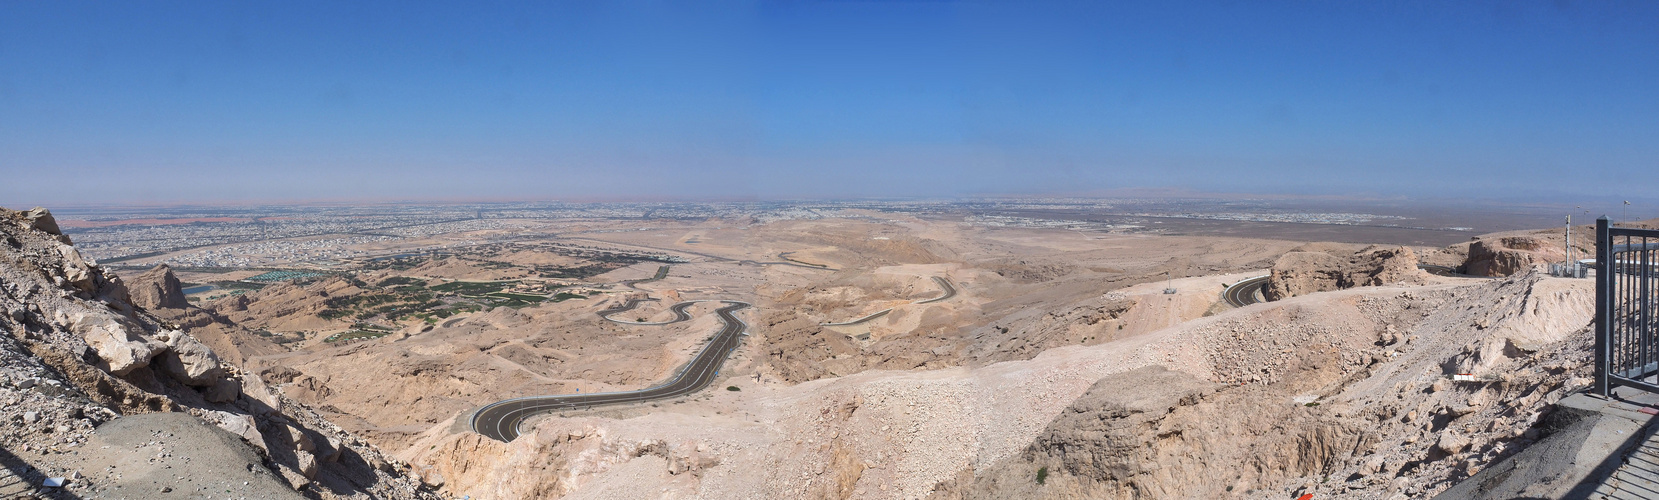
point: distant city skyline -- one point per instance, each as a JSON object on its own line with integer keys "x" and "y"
{"x": 200, "y": 102}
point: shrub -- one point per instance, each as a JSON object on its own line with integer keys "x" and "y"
{"x": 1042, "y": 474}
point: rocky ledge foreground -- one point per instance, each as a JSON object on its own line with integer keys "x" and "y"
{"x": 102, "y": 399}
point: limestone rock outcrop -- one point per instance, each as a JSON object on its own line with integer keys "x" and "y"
{"x": 188, "y": 361}
{"x": 1302, "y": 273}
{"x": 224, "y": 390}
{"x": 286, "y": 306}
{"x": 75, "y": 353}
{"x": 157, "y": 288}
{"x": 1511, "y": 254}
{"x": 40, "y": 219}
{"x": 120, "y": 348}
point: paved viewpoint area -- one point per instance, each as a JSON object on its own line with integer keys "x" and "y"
{"x": 1599, "y": 449}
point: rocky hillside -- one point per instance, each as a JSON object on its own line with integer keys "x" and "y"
{"x": 1512, "y": 252}
{"x": 1303, "y": 407}
{"x": 157, "y": 292}
{"x": 1344, "y": 394}
{"x": 109, "y": 399}
{"x": 1302, "y": 272}
{"x": 286, "y": 307}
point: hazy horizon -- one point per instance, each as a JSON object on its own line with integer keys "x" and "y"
{"x": 1530, "y": 102}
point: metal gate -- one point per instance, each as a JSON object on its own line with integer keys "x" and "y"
{"x": 1627, "y": 286}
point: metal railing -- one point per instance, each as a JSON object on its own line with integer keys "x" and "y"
{"x": 1627, "y": 307}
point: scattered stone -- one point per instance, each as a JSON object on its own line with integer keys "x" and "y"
{"x": 189, "y": 361}
{"x": 307, "y": 464}
{"x": 224, "y": 390}
{"x": 433, "y": 479}
{"x": 1451, "y": 443}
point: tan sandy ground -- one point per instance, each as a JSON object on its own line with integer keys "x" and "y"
{"x": 1041, "y": 315}
{"x": 882, "y": 434}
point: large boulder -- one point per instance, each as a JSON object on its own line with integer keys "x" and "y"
{"x": 121, "y": 350}
{"x": 157, "y": 288}
{"x": 306, "y": 463}
{"x": 260, "y": 400}
{"x": 239, "y": 424}
{"x": 1511, "y": 254}
{"x": 1301, "y": 273}
{"x": 189, "y": 361}
{"x": 224, "y": 390}
{"x": 40, "y": 219}
{"x": 77, "y": 271}
{"x": 1378, "y": 266}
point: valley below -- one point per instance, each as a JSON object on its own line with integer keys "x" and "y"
{"x": 884, "y": 354}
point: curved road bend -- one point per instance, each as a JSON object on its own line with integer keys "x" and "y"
{"x": 950, "y": 291}
{"x": 500, "y": 420}
{"x": 1247, "y": 291}
{"x": 877, "y": 314}
{"x": 678, "y": 309}
{"x": 627, "y": 305}
{"x": 662, "y": 272}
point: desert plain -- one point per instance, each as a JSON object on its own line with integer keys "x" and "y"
{"x": 887, "y": 353}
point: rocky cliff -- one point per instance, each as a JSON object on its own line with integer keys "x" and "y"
{"x": 1304, "y": 272}
{"x": 81, "y": 365}
{"x": 1508, "y": 255}
{"x": 1297, "y": 403}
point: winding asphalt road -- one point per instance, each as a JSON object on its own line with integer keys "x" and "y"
{"x": 678, "y": 309}
{"x": 944, "y": 284}
{"x": 1248, "y": 290}
{"x": 877, "y": 314}
{"x": 500, "y": 420}
{"x": 662, "y": 272}
{"x": 950, "y": 291}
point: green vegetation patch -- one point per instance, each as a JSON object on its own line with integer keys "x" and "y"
{"x": 237, "y": 285}
{"x": 400, "y": 280}
{"x": 732, "y": 388}
{"x": 471, "y": 288}
{"x": 396, "y": 263}
{"x": 515, "y": 300}
{"x": 289, "y": 275}
{"x": 356, "y": 335}
{"x": 578, "y": 272}
{"x": 564, "y": 296}
{"x": 394, "y": 305}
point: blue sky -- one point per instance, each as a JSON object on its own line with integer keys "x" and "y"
{"x": 229, "y": 101}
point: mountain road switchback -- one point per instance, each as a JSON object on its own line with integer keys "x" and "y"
{"x": 501, "y": 420}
